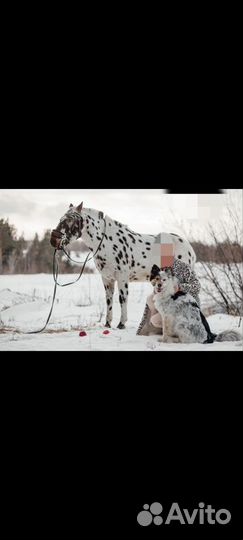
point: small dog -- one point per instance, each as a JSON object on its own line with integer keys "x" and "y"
{"x": 151, "y": 322}
{"x": 182, "y": 320}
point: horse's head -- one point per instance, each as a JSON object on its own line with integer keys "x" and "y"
{"x": 69, "y": 228}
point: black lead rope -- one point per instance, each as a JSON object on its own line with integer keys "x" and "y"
{"x": 55, "y": 277}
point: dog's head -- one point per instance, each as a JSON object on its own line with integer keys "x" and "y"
{"x": 161, "y": 278}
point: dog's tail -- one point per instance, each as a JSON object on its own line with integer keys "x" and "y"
{"x": 228, "y": 335}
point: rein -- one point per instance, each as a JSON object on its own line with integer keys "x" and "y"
{"x": 56, "y": 272}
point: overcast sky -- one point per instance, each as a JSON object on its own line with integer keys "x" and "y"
{"x": 144, "y": 210}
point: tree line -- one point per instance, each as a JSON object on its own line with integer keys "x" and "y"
{"x": 218, "y": 252}
{"x": 18, "y": 256}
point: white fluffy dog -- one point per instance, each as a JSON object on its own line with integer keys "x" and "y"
{"x": 182, "y": 320}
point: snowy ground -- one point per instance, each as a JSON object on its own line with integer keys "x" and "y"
{"x": 25, "y": 303}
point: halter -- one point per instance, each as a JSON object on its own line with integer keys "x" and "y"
{"x": 59, "y": 234}
{"x": 72, "y": 214}
{"x": 75, "y": 215}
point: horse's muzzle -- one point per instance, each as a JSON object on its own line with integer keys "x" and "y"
{"x": 56, "y": 238}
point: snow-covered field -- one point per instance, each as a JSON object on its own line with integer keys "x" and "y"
{"x": 25, "y": 303}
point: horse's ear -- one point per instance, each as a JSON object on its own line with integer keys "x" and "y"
{"x": 71, "y": 205}
{"x": 80, "y": 207}
{"x": 154, "y": 272}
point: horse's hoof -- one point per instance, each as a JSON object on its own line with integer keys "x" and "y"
{"x": 107, "y": 325}
{"x": 121, "y": 326}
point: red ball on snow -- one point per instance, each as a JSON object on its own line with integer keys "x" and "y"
{"x": 82, "y": 333}
{"x": 106, "y": 332}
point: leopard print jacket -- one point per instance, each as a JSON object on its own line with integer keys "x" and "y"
{"x": 188, "y": 283}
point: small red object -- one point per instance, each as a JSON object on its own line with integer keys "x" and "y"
{"x": 82, "y": 333}
{"x": 106, "y": 332}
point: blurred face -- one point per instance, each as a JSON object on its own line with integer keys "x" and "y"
{"x": 163, "y": 251}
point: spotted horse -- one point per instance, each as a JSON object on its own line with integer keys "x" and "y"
{"x": 123, "y": 255}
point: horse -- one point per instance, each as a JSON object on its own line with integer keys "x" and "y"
{"x": 120, "y": 254}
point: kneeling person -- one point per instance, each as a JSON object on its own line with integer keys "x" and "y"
{"x": 188, "y": 282}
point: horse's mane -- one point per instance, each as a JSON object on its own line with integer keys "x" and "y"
{"x": 92, "y": 212}
{"x": 97, "y": 213}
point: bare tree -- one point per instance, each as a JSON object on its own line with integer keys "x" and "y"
{"x": 221, "y": 257}
{"x": 223, "y": 278}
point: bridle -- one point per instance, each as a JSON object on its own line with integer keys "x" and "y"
{"x": 59, "y": 235}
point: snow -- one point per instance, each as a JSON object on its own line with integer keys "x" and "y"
{"x": 25, "y": 302}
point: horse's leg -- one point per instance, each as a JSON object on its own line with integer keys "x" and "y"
{"x": 123, "y": 299}
{"x": 109, "y": 291}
